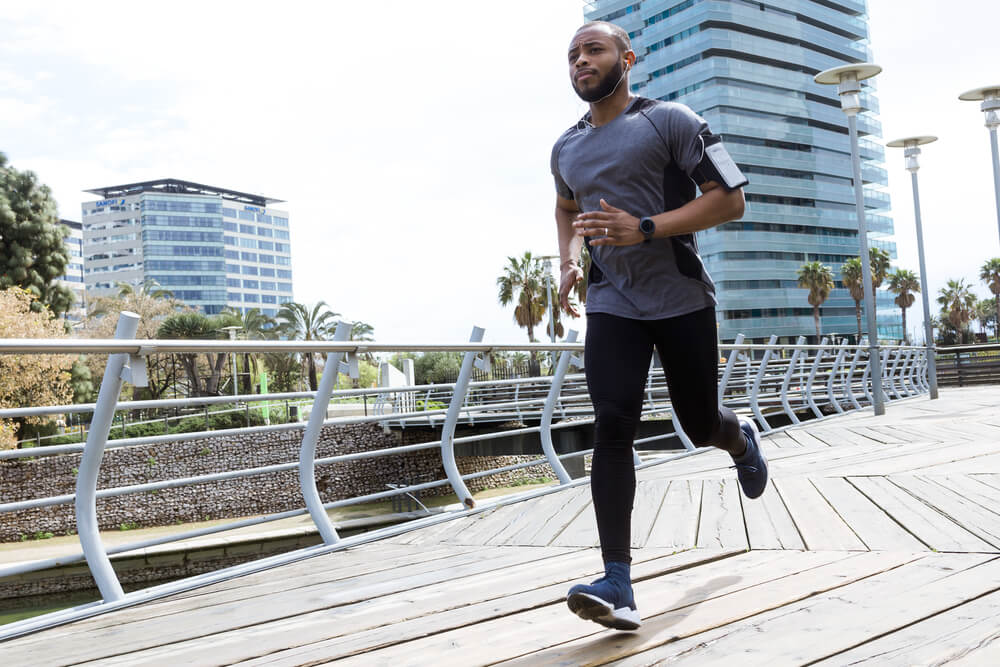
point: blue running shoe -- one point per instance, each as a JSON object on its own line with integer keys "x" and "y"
{"x": 608, "y": 600}
{"x": 751, "y": 468}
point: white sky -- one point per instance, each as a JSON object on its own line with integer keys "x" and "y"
{"x": 411, "y": 140}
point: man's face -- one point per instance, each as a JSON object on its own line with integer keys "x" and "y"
{"x": 595, "y": 65}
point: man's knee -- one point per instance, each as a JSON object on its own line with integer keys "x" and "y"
{"x": 616, "y": 422}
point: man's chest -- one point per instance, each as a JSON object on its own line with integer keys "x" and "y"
{"x": 627, "y": 151}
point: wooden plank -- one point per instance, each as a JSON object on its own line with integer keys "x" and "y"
{"x": 820, "y": 526}
{"x": 677, "y": 523}
{"x": 553, "y": 625}
{"x": 210, "y": 617}
{"x": 971, "y": 487}
{"x": 928, "y": 525}
{"x": 872, "y": 526}
{"x": 974, "y": 518}
{"x": 781, "y": 440}
{"x": 968, "y": 631}
{"x": 805, "y": 438}
{"x": 556, "y": 523}
{"x": 487, "y": 524}
{"x": 330, "y": 634}
{"x": 721, "y": 524}
{"x": 581, "y": 531}
{"x": 842, "y": 618}
{"x": 649, "y": 496}
{"x": 768, "y": 523}
{"x": 530, "y": 516}
{"x": 714, "y": 611}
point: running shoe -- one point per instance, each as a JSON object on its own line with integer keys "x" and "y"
{"x": 751, "y": 468}
{"x": 608, "y": 600}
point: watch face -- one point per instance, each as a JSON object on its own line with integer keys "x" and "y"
{"x": 647, "y": 227}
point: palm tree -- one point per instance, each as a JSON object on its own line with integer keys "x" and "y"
{"x": 818, "y": 279}
{"x": 957, "y": 303}
{"x": 985, "y": 311}
{"x": 298, "y": 322}
{"x": 254, "y": 325}
{"x": 194, "y": 325}
{"x": 523, "y": 283}
{"x": 904, "y": 284}
{"x": 850, "y": 277}
{"x": 989, "y": 273}
{"x": 880, "y": 263}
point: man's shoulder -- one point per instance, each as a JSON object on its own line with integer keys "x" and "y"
{"x": 660, "y": 108}
{"x": 570, "y": 131}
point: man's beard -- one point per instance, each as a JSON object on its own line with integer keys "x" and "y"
{"x": 608, "y": 85}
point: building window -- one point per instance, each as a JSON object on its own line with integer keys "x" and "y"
{"x": 280, "y": 222}
{"x": 268, "y": 285}
{"x": 232, "y": 254}
{"x": 252, "y": 298}
{"x": 268, "y": 298}
{"x": 251, "y": 284}
{"x": 246, "y": 215}
{"x": 248, "y": 243}
{"x": 283, "y": 273}
{"x": 265, "y": 245}
{"x": 249, "y": 270}
{"x": 279, "y": 234}
{"x": 229, "y": 212}
{"x": 266, "y": 271}
{"x": 229, "y": 227}
{"x": 266, "y": 259}
{"x": 248, "y": 256}
{"x": 284, "y": 287}
{"x": 234, "y": 296}
{"x": 284, "y": 261}
{"x": 248, "y": 229}
{"x": 282, "y": 247}
{"x": 265, "y": 231}
{"x": 232, "y": 282}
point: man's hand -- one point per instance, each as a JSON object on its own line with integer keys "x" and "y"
{"x": 609, "y": 226}
{"x": 571, "y": 275}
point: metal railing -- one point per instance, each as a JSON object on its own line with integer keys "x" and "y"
{"x": 773, "y": 383}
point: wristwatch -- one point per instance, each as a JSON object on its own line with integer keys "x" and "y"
{"x": 648, "y": 228}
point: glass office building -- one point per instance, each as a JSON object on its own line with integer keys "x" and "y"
{"x": 73, "y": 278}
{"x": 747, "y": 68}
{"x": 211, "y": 247}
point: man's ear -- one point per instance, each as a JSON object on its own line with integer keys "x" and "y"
{"x": 630, "y": 58}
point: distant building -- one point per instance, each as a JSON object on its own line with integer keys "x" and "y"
{"x": 211, "y": 247}
{"x": 747, "y": 68}
{"x": 73, "y": 277}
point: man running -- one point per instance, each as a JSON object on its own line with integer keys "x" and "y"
{"x": 625, "y": 179}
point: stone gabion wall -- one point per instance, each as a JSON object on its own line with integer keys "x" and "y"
{"x": 260, "y": 494}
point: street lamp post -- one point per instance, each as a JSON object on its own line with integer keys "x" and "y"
{"x": 990, "y": 97}
{"x": 231, "y": 330}
{"x": 911, "y": 151}
{"x": 848, "y": 78}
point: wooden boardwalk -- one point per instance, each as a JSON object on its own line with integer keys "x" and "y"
{"x": 877, "y": 543}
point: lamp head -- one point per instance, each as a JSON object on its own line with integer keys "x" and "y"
{"x": 848, "y": 78}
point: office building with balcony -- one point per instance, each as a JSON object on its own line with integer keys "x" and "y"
{"x": 747, "y": 68}
{"x": 211, "y": 247}
{"x": 74, "y": 276}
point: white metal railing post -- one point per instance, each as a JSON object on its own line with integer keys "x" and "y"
{"x": 786, "y": 381}
{"x": 87, "y": 526}
{"x": 923, "y": 357}
{"x": 307, "y": 452}
{"x": 679, "y": 430}
{"x": 866, "y": 374}
{"x": 812, "y": 376}
{"x": 838, "y": 362}
{"x": 545, "y": 427}
{"x": 849, "y": 385}
{"x": 905, "y": 372}
{"x": 730, "y": 363}
{"x": 757, "y": 381}
{"x": 889, "y": 366}
{"x": 451, "y": 420}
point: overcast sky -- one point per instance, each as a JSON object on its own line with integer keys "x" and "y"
{"x": 411, "y": 140}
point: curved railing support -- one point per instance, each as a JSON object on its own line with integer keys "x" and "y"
{"x": 307, "y": 452}
{"x": 87, "y": 526}
{"x": 728, "y": 372}
{"x": 451, "y": 420}
{"x": 757, "y": 381}
{"x": 837, "y": 363}
{"x": 786, "y": 381}
{"x": 849, "y": 385}
{"x": 545, "y": 427}
{"x": 812, "y": 377}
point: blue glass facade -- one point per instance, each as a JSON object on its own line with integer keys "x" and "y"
{"x": 747, "y": 68}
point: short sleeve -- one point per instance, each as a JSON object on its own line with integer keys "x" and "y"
{"x": 562, "y": 189}
{"x": 686, "y": 131}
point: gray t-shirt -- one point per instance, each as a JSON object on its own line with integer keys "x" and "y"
{"x": 646, "y": 161}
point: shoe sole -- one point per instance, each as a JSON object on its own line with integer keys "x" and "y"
{"x": 592, "y": 608}
{"x": 767, "y": 472}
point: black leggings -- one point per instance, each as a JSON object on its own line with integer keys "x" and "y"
{"x": 618, "y": 351}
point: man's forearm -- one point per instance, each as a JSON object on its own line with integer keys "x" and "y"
{"x": 570, "y": 244}
{"x": 712, "y": 208}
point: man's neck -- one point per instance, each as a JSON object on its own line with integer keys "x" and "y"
{"x": 605, "y": 111}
